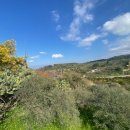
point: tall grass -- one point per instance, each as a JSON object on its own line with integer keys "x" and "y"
{"x": 17, "y": 119}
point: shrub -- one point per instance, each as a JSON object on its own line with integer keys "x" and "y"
{"x": 13, "y": 70}
{"x": 8, "y": 60}
{"x": 9, "y": 84}
{"x": 108, "y": 107}
{"x": 76, "y": 80}
{"x": 48, "y": 103}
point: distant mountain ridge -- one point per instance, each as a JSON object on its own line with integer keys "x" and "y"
{"x": 111, "y": 66}
{"x": 112, "y": 58}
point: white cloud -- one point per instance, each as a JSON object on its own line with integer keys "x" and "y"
{"x": 81, "y": 15}
{"x": 55, "y": 15}
{"x": 34, "y": 57}
{"x": 55, "y": 56}
{"x": 121, "y": 46}
{"x": 42, "y": 52}
{"x": 120, "y": 25}
{"x": 88, "y": 40}
{"x": 73, "y": 34}
{"x": 31, "y": 61}
{"x": 81, "y": 10}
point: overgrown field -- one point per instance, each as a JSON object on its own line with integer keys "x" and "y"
{"x": 34, "y": 100}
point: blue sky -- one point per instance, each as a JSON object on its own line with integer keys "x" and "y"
{"x": 62, "y": 31}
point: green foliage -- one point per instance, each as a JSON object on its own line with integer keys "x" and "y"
{"x": 76, "y": 80}
{"x": 10, "y": 82}
{"x": 13, "y": 71}
{"x": 48, "y": 103}
{"x": 68, "y": 102}
{"x": 63, "y": 85}
{"x": 108, "y": 107}
{"x": 17, "y": 120}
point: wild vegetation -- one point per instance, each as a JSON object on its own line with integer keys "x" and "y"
{"x": 63, "y": 97}
{"x": 13, "y": 71}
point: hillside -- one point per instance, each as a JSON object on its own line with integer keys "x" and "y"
{"x": 117, "y": 65}
{"x": 64, "y": 96}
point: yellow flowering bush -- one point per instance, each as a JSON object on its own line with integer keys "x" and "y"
{"x": 4, "y": 54}
{"x": 8, "y": 60}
